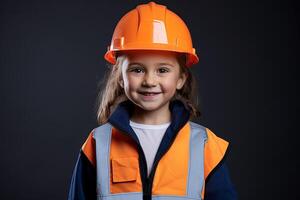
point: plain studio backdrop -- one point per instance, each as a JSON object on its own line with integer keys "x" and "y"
{"x": 52, "y": 61}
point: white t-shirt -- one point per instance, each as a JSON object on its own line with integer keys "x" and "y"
{"x": 150, "y": 137}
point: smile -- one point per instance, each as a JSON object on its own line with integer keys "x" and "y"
{"x": 149, "y": 95}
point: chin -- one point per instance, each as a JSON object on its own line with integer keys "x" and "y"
{"x": 152, "y": 106}
{"x": 148, "y": 107}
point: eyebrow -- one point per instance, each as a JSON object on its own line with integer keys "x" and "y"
{"x": 135, "y": 63}
{"x": 158, "y": 64}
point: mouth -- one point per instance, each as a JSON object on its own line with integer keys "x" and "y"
{"x": 149, "y": 96}
{"x": 149, "y": 93}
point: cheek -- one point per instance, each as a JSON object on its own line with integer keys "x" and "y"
{"x": 169, "y": 85}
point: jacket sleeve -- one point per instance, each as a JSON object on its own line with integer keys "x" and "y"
{"x": 218, "y": 185}
{"x": 83, "y": 181}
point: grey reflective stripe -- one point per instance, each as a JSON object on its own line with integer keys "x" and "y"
{"x": 122, "y": 196}
{"x": 195, "y": 180}
{"x": 139, "y": 196}
{"x": 196, "y": 162}
{"x": 167, "y": 197}
{"x": 102, "y": 136}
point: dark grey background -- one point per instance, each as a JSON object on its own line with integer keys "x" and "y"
{"x": 52, "y": 60}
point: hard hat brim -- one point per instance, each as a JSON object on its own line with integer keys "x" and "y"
{"x": 110, "y": 55}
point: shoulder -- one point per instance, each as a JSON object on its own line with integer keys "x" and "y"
{"x": 89, "y": 146}
{"x": 207, "y": 133}
{"x": 196, "y": 126}
{"x": 102, "y": 129}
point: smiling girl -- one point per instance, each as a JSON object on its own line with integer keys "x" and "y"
{"x": 146, "y": 146}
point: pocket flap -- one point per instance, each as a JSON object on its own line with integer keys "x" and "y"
{"x": 124, "y": 169}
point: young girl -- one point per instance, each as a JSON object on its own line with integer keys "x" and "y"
{"x": 146, "y": 147}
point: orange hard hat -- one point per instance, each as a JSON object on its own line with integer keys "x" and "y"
{"x": 152, "y": 27}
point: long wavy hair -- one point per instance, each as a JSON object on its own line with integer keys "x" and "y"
{"x": 110, "y": 93}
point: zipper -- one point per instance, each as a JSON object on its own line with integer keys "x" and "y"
{"x": 155, "y": 164}
{"x": 147, "y": 193}
{"x": 147, "y": 182}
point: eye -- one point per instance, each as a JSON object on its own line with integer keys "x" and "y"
{"x": 163, "y": 70}
{"x": 136, "y": 69}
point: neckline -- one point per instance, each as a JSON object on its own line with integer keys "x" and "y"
{"x": 149, "y": 126}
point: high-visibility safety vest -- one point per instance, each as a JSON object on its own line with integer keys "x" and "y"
{"x": 186, "y": 156}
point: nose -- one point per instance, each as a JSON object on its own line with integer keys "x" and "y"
{"x": 149, "y": 80}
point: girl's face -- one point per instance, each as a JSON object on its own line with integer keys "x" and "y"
{"x": 150, "y": 78}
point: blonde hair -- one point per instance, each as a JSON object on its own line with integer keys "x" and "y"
{"x": 111, "y": 93}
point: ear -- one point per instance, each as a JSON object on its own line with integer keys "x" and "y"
{"x": 181, "y": 81}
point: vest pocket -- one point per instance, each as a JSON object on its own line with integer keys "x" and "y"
{"x": 124, "y": 169}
